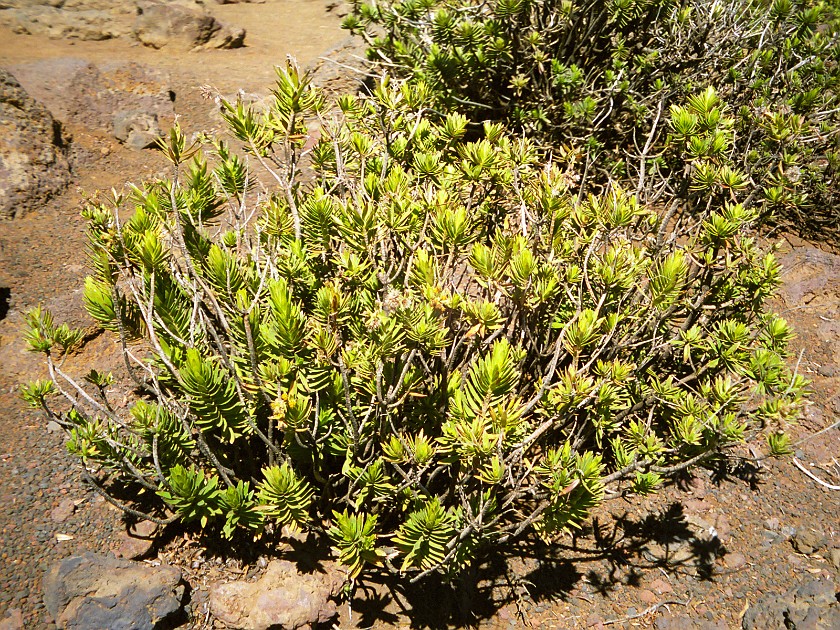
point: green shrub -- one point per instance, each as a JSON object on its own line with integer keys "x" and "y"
{"x": 599, "y": 81}
{"x": 429, "y": 348}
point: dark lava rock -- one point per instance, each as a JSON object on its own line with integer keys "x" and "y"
{"x": 33, "y": 163}
{"x": 94, "y": 591}
{"x": 812, "y": 606}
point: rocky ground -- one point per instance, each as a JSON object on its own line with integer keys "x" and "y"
{"x": 754, "y": 548}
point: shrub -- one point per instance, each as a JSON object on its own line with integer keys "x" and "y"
{"x": 429, "y": 348}
{"x": 602, "y": 79}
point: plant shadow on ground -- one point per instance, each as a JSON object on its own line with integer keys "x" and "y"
{"x": 612, "y": 549}
{"x": 607, "y": 552}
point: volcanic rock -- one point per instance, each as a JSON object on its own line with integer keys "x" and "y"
{"x": 33, "y": 162}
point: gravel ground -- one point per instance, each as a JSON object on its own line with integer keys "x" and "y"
{"x": 699, "y": 555}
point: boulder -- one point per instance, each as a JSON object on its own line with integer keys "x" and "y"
{"x": 33, "y": 161}
{"x": 282, "y": 598}
{"x": 138, "y": 130}
{"x": 157, "y": 23}
{"x": 121, "y": 98}
{"x": 86, "y": 20}
{"x": 162, "y": 24}
{"x": 94, "y": 591}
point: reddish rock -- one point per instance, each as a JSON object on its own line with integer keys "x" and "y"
{"x": 13, "y": 620}
{"x": 283, "y": 597}
{"x": 63, "y": 511}
{"x": 648, "y": 597}
{"x": 734, "y": 560}
{"x": 661, "y": 586}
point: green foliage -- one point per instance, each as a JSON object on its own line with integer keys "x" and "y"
{"x": 285, "y": 496}
{"x": 212, "y": 396}
{"x": 355, "y": 539}
{"x": 424, "y": 536}
{"x": 190, "y": 493}
{"x": 42, "y": 335}
{"x": 240, "y": 509}
{"x": 701, "y": 97}
{"x": 35, "y": 393}
{"x": 432, "y": 343}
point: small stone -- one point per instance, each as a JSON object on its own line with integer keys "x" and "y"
{"x": 722, "y": 526}
{"x": 141, "y": 140}
{"x": 593, "y": 621}
{"x": 648, "y": 597}
{"x": 143, "y": 529}
{"x": 808, "y": 541}
{"x": 734, "y": 560}
{"x": 132, "y": 547}
{"x": 675, "y": 553}
{"x": 136, "y": 129}
{"x": 661, "y": 586}
{"x": 696, "y": 506}
{"x": 673, "y": 622}
{"x": 772, "y": 524}
{"x": 13, "y": 620}
{"x": 834, "y": 556}
{"x": 53, "y": 426}
{"x": 63, "y": 511}
{"x": 698, "y": 522}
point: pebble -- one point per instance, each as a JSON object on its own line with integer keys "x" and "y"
{"x": 808, "y": 541}
{"x": 648, "y": 597}
{"x": 63, "y": 511}
{"x": 734, "y": 560}
{"x": 661, "y": 586}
